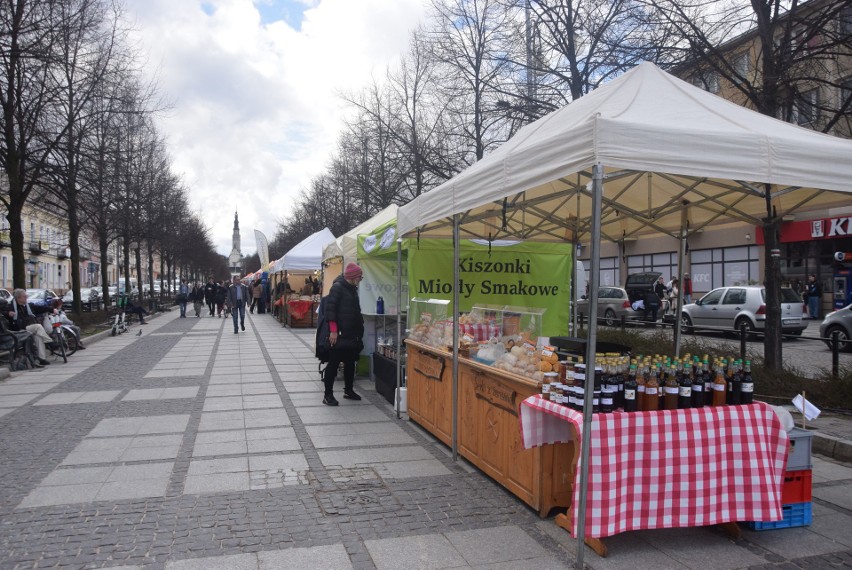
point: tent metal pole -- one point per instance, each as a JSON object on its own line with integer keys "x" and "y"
{"x": 681, "y": 254}
{"x": 456, "y": 275}
{"x": 594, "y": 282}
{"x": 398, "y": 325}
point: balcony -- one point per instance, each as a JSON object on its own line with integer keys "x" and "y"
{"x": 63, "y": 252}
{"x": 38, "y": 247}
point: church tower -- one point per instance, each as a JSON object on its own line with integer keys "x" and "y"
{"x": 235, "y": 260}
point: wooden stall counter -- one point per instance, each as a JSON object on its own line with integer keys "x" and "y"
{"x": 488, "y": 434}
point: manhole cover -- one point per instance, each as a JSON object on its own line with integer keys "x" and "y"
{"x": 356, "y": 502}
{"x": 360, "y": 500}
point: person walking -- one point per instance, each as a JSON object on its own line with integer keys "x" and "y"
{"x": 22, "y": 318}
{"x": 210, "y": 296}
{"x": 346, "y": 330}
{"x": 183, "y": 297}
{"x": 221, "y": 297}
{"x": 814, "y": 293}
{"x": 256, "y": 291}
{"x": 196, "y": 295}
{"x": 238, "y": 296}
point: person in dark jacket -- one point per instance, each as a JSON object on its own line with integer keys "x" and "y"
{"x": 220, "y": 297}
{"x": 346, "y": 330}
{"x": 210, "y": 296}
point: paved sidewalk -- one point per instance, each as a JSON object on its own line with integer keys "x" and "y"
{"x": 191, "y": 447}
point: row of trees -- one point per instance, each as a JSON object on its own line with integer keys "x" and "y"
{"x": 78, "y": 138}
{"x": 480, "y": 69}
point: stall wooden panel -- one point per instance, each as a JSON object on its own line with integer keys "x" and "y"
{"x": 432, "y": 374}
{"x": 488, "y": 425}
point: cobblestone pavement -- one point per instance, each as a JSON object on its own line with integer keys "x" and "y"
{"x": 190, "y": 447}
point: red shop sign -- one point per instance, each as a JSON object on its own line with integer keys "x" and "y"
{"x": 826, "y": 228}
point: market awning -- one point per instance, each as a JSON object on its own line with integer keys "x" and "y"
{"x": 665, "y": 145}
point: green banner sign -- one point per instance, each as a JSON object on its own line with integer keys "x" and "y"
{"x": 526, "y": 274}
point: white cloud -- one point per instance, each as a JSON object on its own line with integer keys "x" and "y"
{"x": 255, "y": 108}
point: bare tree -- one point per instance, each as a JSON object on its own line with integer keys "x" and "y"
{"x": 28, "y": 96}
{"x": 469, "y": 40}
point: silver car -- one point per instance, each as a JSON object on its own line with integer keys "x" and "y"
{"x": 841, "y": 322}
{"x": 731, "y": 307}
{"x": 613, "y": 304}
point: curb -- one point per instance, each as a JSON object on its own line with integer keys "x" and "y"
{"x": 833, "y": 447}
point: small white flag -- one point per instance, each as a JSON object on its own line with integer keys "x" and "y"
{"x": 810, "y": 411}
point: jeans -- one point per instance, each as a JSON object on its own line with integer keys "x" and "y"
{"x": 241, "y": 308}
{"x": 813, "y": 307}
{"x": 183, "y": 309}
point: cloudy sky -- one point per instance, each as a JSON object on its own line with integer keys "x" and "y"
{"x": 253, "y": 87}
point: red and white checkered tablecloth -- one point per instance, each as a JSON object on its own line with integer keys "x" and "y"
{"x": 674, "y": 468}
{"x": 481, "y": 332}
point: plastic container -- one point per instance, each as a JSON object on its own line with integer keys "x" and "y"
{"x": 797, "y": 487}
{"x": 796, "y": 514}
{"x": 799, "y": 456}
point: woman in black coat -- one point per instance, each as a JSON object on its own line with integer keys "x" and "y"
{"x": 346, "y": 326}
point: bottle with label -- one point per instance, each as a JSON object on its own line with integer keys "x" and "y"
{"x": 748, "y": 384}
{"x": 610, "y": 384}
{"x": 697, "y": 385}
{"x": 685, "y": 386}
{"x": 671, "y": 390}
{"x": 729, "y": 376}
{"x": 652, "y": 387}
{"x": 579, "y": 385}
{"x": 631, "y": 390}
{"x": 640, "y": 387}
{"x": 708, "y": 383}
{"x": 720, "y": 386}
{"x": 737, "y": 384}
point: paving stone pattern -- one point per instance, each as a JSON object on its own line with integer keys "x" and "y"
{"x": 193, "y": 448}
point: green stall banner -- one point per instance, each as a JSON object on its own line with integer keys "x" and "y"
{"x": 523, "y": 274}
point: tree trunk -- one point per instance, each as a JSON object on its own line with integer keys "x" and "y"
{"x": 74, "y": 244}
{"x": 16, "y": 239}
{"x": 103, "y": 248}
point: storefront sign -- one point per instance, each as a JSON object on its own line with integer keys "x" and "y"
{"x": 827, "y": 228}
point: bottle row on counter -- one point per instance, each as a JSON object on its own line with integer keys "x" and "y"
{"x": 651, "y": 383}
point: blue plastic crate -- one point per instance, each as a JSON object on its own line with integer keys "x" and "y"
{"x": 795, "y": 514}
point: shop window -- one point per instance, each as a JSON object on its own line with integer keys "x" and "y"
{"x": 707, "y": 80}
{"x": 609, "y": 274}
{"x": 721, "y": 267}
{"x": 665, "y": 263}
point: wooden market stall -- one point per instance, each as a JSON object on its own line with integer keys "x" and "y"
{"x": 488, "y": 425}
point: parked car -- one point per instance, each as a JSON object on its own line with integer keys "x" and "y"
{"x": 731, "y": 307}
{"x": 638, "y": 285}
{"x": 5, "y": 296}
{"x": 613, "y": 304}
{"x": 90, "y": 297}
{"x": 41, "y": 297}
{"x": 841, "y": 322}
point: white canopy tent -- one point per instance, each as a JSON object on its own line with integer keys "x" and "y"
{"x": 346, "y": 246}
{"x": 306, "y": 256}
{"x": 646, "y": 153}
{"x": 663, "y": 143}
